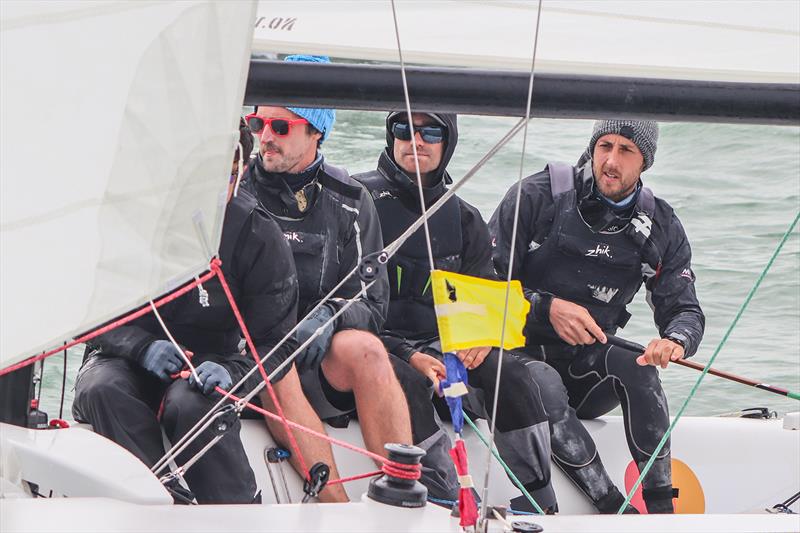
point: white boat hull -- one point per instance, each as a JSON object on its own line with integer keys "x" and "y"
{"x": 743, "y": 467}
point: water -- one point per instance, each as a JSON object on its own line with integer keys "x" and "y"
{"x": 736, "y": 188}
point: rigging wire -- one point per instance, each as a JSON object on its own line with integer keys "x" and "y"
{"x": 206, "y": 420}
{"x": 413, "y": 136}
{"x": 506, "y": 468}
{"x": 41, "y": 380}
{"x": 493, "y": 419}
{"x": 383, "y": 257}
{"x": 63, "y": 384}
{"x": 705, "y": 371}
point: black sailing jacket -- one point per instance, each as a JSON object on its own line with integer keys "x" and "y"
{"x": 337, "y": 228}
{"x": 671, "y": 291}
{"x": 261, "y": 276}
{"x": 459, "y": 239}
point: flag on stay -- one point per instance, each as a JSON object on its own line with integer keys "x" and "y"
{"x": 469, "y": 311}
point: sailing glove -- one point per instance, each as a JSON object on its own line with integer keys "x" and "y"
{"x": 162, "y": 359}
{"x": 211, "y": 375}
{"x": 316, "y": 350}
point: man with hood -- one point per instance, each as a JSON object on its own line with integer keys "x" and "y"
{"x": 329, "y": 220}
{"x": 460, "y": 243}
{"x": 588, "y": 237}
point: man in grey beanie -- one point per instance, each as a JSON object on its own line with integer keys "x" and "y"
{"x": 589, "y": 236}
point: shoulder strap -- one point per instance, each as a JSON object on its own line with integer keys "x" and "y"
{"x": 646, "y": 202}
{"x": 562, "y": 178}
{"x": 338, "y": 180}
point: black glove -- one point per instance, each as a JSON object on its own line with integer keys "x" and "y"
{"x": 162, "y": 359}
{"x": 211, "y": 375}
{"x": 316, "y": 350}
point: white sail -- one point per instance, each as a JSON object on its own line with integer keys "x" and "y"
{"x": 119, "y": 121}
{"x": 748, "y": 41}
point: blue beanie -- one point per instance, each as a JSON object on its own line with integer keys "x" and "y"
{"x": 322, "y": 119}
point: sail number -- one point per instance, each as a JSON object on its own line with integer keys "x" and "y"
{"x": 276, "y": 23}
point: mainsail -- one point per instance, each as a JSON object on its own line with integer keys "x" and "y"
{"x": 119, "y": 122}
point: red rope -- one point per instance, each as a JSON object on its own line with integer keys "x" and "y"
{"x": 467, "y": 507}
{"x": 108, "y": 327}
{"x": 215, "y": 267}
{"x": 401, "y": 470}
{"x": 394, "y": 468}
{"x": 354, "y": 478}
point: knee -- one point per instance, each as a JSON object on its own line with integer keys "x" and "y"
{"x": 622, "y": 364}
{"x": 515, "y": 375}
{"x": 362, "y": 353}
{"x": 550, "y": 389}
{"x": 181, "y": 402}
{"x": 101, "y": 386}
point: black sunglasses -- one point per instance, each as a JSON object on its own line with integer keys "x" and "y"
{"x": 429, "y": 134}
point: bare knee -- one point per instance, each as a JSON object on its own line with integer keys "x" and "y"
{"x": 360, "y": 353}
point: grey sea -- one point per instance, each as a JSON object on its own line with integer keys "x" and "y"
{"x": 736, "y": 189}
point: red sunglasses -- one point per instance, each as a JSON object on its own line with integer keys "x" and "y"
{"x": 279, "y": 126}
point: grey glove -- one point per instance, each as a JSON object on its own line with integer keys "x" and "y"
{"x": 211, "y": 375}
{"x": 162, "y": 359}
{"x": 316, "y": 350}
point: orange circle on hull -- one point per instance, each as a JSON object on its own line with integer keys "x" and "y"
{"x": 690, "y": 500}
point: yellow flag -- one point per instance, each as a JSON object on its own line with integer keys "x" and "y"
{"x": 469, "y": 311}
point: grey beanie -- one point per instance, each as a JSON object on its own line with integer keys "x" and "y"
{"x": 643, "y": 133}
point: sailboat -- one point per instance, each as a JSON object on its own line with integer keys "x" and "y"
{"x": 141, "y": 137}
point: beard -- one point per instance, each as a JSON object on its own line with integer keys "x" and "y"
{"x": 274, "y": 159}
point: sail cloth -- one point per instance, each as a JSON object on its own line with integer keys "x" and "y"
{"x": 119, "y": 122}
{"x": 469, "y": 311}
{"x": 747, "y": 41}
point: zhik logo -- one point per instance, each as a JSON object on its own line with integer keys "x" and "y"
{"x": 293, "y": 236}
{"x": 600, "y": 249}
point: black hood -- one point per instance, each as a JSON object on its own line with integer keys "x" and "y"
{"x": 448, "y": 120}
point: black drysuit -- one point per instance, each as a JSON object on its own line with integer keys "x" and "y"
{"x": 460, "y": 243}
{"x": 121, "y": 400}
{"x": 557, "y": 252}
{"x": 329, "y": 232}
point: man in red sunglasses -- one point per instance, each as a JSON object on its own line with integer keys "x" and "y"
{"x": 330, "y": 223}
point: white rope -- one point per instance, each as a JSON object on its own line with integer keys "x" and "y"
{"x": 413, "y": 137}
{"x": 240, "y": 170}
{"x": 204, "y": 422}
{"x": 175, "y": 344}
{"x": 384, "y": 256}
{"x": 493, "y": 419}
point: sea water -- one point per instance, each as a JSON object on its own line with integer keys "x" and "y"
{"x": 735, "y": 188}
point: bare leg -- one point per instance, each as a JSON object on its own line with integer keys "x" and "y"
{"x": 297, "y": 409}
{"x": 358, "y": 362}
